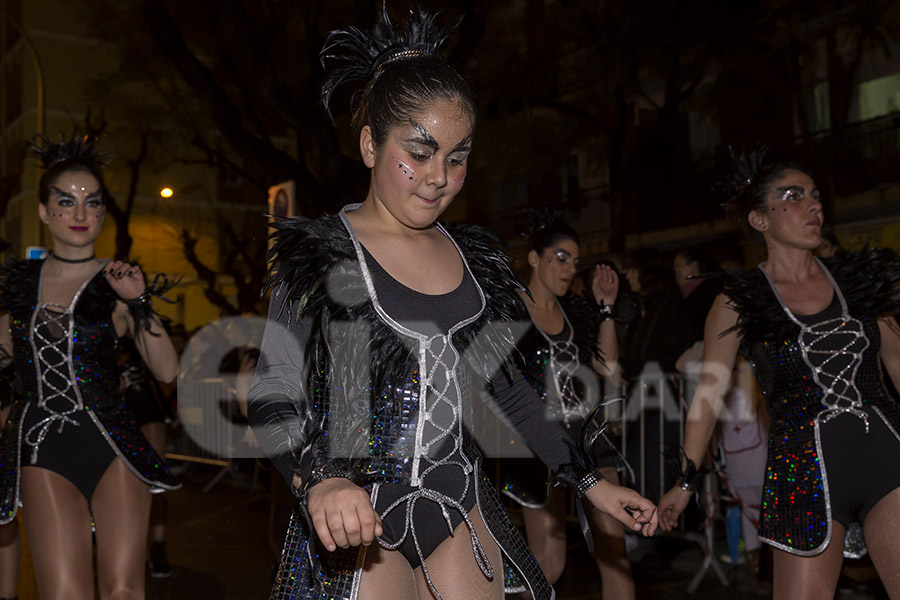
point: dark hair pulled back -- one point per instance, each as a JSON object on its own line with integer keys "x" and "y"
{"x": 749, "y": 182}
{"x": 399, "y": 70}
{"x": 545, "y": 228}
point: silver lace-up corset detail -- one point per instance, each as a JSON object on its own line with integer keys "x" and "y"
{"x": 834, "y": 370}
{"x": 833, "y": 349}
{"x": 52, "y": 329}
{"x": 563, "y": 364}
{"x": 560, "y": 394}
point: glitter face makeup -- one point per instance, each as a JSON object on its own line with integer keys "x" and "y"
{"x": 794, "y": 214}
{"x": 557, "y": 266}
{"x": 405, "y": 169}
{"x": 65, "y": 204}
{"x": 74, "y": 210}
{"x": 421, "y": 166}
{"x": 564, "y": 257}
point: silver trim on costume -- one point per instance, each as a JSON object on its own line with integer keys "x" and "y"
{"x": 435, "y": 353}
{"x": 563, "y": 365}
{"x": 830, "y": 409}
{"x": 65, "y": 320}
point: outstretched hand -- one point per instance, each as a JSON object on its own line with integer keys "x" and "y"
{"x": 125, "y": 279}
{"x": 342, "y": 514}
{"x": 605, "y": 284}
{"x": 626, "y": 505}
{"x": 671, "y": 506}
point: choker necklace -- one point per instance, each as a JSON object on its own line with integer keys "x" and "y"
{"x": 73, "y": 261}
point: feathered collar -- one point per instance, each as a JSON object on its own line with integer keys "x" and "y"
{"x": 869, "y": 281}
{"x": 316, "y": 271}
{"x": 19, "y": 285}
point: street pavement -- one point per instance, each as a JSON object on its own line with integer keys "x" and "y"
{"x": 219, "y": 549}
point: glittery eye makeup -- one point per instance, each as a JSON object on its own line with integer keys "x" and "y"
{"x": 564, "y": 257}
{"x": 791, "y": 192}
{"x": 405, "y": 169}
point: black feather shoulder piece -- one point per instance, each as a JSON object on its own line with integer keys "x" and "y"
{"x": 302, "y": 254}
{"x": 490, "y": 341}
{"x": 19, "y": 284}
{"x": 316, "y": 271}
{"x": 869, "y": 280}
{"x": 760, "y": 316}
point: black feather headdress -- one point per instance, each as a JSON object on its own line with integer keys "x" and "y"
{"x": 364, "y": 54}
{"x": 78, "y": 148}
{"x": 535, "y": 219}
{"x": 741, "y": 170}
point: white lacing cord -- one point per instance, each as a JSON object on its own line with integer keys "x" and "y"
{"x": 38, "y": 432}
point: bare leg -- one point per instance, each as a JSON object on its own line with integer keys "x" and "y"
{"x": 121, "y": 507}
{"x": 545, "y": 530}
{"x": 609, "y": 549}
{"x": 882, "y": 530}
{"x": 453, "y": 569}
{"x": 810, "y": 577}
{"x": 10, "y": 551}
{"x": 58, "y": 525}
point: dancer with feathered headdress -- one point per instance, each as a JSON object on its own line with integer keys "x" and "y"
{"x": 378, "y": 318}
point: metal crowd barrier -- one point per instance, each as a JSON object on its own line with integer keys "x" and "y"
{"x": 208, "y": 434}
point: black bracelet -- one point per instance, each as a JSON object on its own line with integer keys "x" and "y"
{"x": 690, "y": 479}
{"x": 322, "y": 473}
{"x": 606, "y": 311}
{"x": 135, "y": 303}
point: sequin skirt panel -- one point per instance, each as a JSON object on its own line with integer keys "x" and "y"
{"x": 10, "y": 455}
{"x": 795, "y": 513}
{"x": 306, "y": 574}
{"x": 118, "y": 426}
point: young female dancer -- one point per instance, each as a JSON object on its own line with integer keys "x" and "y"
{"x": 70, "y": 449}
{"x": 378, "y": 317}
{"x": 818, "y": 334}
{"x": 569, "y": 343}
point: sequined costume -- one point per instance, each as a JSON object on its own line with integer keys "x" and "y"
{"x": 66, "y": 384}
{"x": 818, "y": 373}
{"x": 343, "y": 389}
{"x": 559, "y": 369}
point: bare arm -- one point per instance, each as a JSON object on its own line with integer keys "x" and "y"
{"x": 152, "y": 341}
{"x": 719, "y": 354}
{"x": 890, "y": 348}
{"x": 606, "y": 287}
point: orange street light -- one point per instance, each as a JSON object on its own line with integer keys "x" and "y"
{"x": 166, "y": 192}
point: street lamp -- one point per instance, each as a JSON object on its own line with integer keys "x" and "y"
{"x": 166, "y": 192}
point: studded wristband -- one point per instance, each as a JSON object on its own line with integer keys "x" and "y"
{"x": 587, "y": 482}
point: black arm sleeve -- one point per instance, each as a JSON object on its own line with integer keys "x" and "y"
{"x": 276, "y": 403}
{"x": 521, "y": 405}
